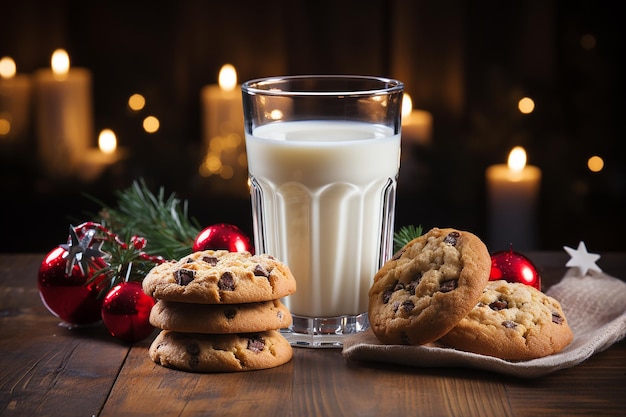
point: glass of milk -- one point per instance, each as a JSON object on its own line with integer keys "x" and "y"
{"x": 323, "y": 157}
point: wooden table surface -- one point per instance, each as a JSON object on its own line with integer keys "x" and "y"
{"x": 49, "y": 370}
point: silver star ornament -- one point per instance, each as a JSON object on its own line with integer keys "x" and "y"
{"x": 80, "y": 250}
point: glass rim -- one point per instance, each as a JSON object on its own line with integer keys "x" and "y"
{"x": 254, "y": 86}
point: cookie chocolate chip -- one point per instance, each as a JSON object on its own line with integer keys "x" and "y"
{"x": 195, "y": 352}
{"x": 220, "y": 318}
{"x": 220, "y": 277}
{"x": 428, "y": 286}
{"x": 184, "y": 276}
{"x": 512, "y": 321}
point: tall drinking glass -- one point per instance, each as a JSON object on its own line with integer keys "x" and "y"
{"x": 323, "y": 158}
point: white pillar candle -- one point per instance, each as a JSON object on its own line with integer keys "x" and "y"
{"x": 223, "y": 133}
{"x": 64, "y": 115}
{"x": 512, "y": 190}
{"x": 417, "y": 125}
{"x": 15, "y": 92}
{"x": 223, "y": 112}
{"x": 96, "y": 160}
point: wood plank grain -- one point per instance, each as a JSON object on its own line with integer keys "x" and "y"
{"x": 314, "y": 383}
{"x": 398, "y": 390}
{"x": 46, "y": 369}
{"x": 596, "y": 388}
{"x": 146, "y": 388}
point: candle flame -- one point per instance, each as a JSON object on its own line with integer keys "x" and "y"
{"x": 517, "y": 159}
{"x": 107, "y": 142}
{"x": 228, "y": 77}
{"x": 60, "y": 63}
{"x": 7, "y": 67}
{"x": 407, "y": 105}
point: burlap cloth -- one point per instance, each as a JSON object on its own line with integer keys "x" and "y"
{"x": 594, "y": 305}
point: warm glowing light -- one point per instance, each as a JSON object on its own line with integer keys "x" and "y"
{"x": 60, "y": 63}
{"x": 228, "y": 77}
{"x": 7, "y": 67}
{"x": 213, "y": 163}
{"x": 216, "y": 144}
{"x": 588, "y": 41}
{"x": 151, "y": 124}
{"x": 276, "y": 114}
{"x": 407, "y": 105}
{"x": 242, "y": 159}
{"x": 210, "y": 165}
{"x": 526, "y": 105}
{"x": 5, "y": 126}
{"x": 232, "y": 141}
{"x": 227, "y": 172}
{"x": 107, "y": 141}
{"x": 136, "y": 102}
{"x": 595, "y": 163}
{"x": 517, "y": 159}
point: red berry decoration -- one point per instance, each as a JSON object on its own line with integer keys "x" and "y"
{"x": 514, "y": 267}
{"x": 126, "y": 312}
{"x": 223, "y": 236}
{"x": 66, "y": 295}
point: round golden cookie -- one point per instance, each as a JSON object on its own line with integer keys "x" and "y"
{"x": 198, "y": 352}
{"x": 428, "y": 287}
{"x": 512, "y": 321}
{"x": 220, "y": 318}
{"x": 220, "y": 277}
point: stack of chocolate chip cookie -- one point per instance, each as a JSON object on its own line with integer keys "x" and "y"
{"x": 437, "y": 289}
{"x": 220, "y": 311}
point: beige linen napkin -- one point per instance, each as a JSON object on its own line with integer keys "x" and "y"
{"x": 594, "y": 305}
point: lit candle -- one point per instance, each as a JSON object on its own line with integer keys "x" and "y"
{"x": 223, "y": 133}
{"x": 64, "y": 114}
{"x": 107, "y": 142}
{"x": 417, "y": 125}
{"x": 14, "y": 102}
{"x": 96, "y": 160}
{"x": 512, "y": 195}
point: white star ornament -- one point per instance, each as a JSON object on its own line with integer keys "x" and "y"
{"x": 582, "y": 259}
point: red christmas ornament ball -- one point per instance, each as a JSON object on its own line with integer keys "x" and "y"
{"x": 126, "y": 312}
{"x": 223, "y": 236}
{"x": 67, "y": 296}
{"x": 514, "y": 267}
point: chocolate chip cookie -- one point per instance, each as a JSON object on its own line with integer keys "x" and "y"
{"x": 220, "y": 318}
{"x": 220, "y": 277}
{"x": 197, "y": 352}
{"x": 428, "y": 286}
{"x": 512, "y": 321}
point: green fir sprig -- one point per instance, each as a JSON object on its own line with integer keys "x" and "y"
{"x": 163, "y": 222}
{"x": 406, "y": 234}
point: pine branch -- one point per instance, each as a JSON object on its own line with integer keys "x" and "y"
{"x": 405, "y": 235}
{"x": 164, "y": 222}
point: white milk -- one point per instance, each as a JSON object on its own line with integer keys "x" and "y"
{"x": 322, "y": 186}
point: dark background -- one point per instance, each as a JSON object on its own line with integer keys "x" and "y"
{"x": 467, "y": 62}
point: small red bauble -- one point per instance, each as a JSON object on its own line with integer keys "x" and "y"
{"x": 126, "y": 312}
{"x": 67, "y": 296}
{"x": 223, "y": 236}
{"x": 514, "y": 267}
